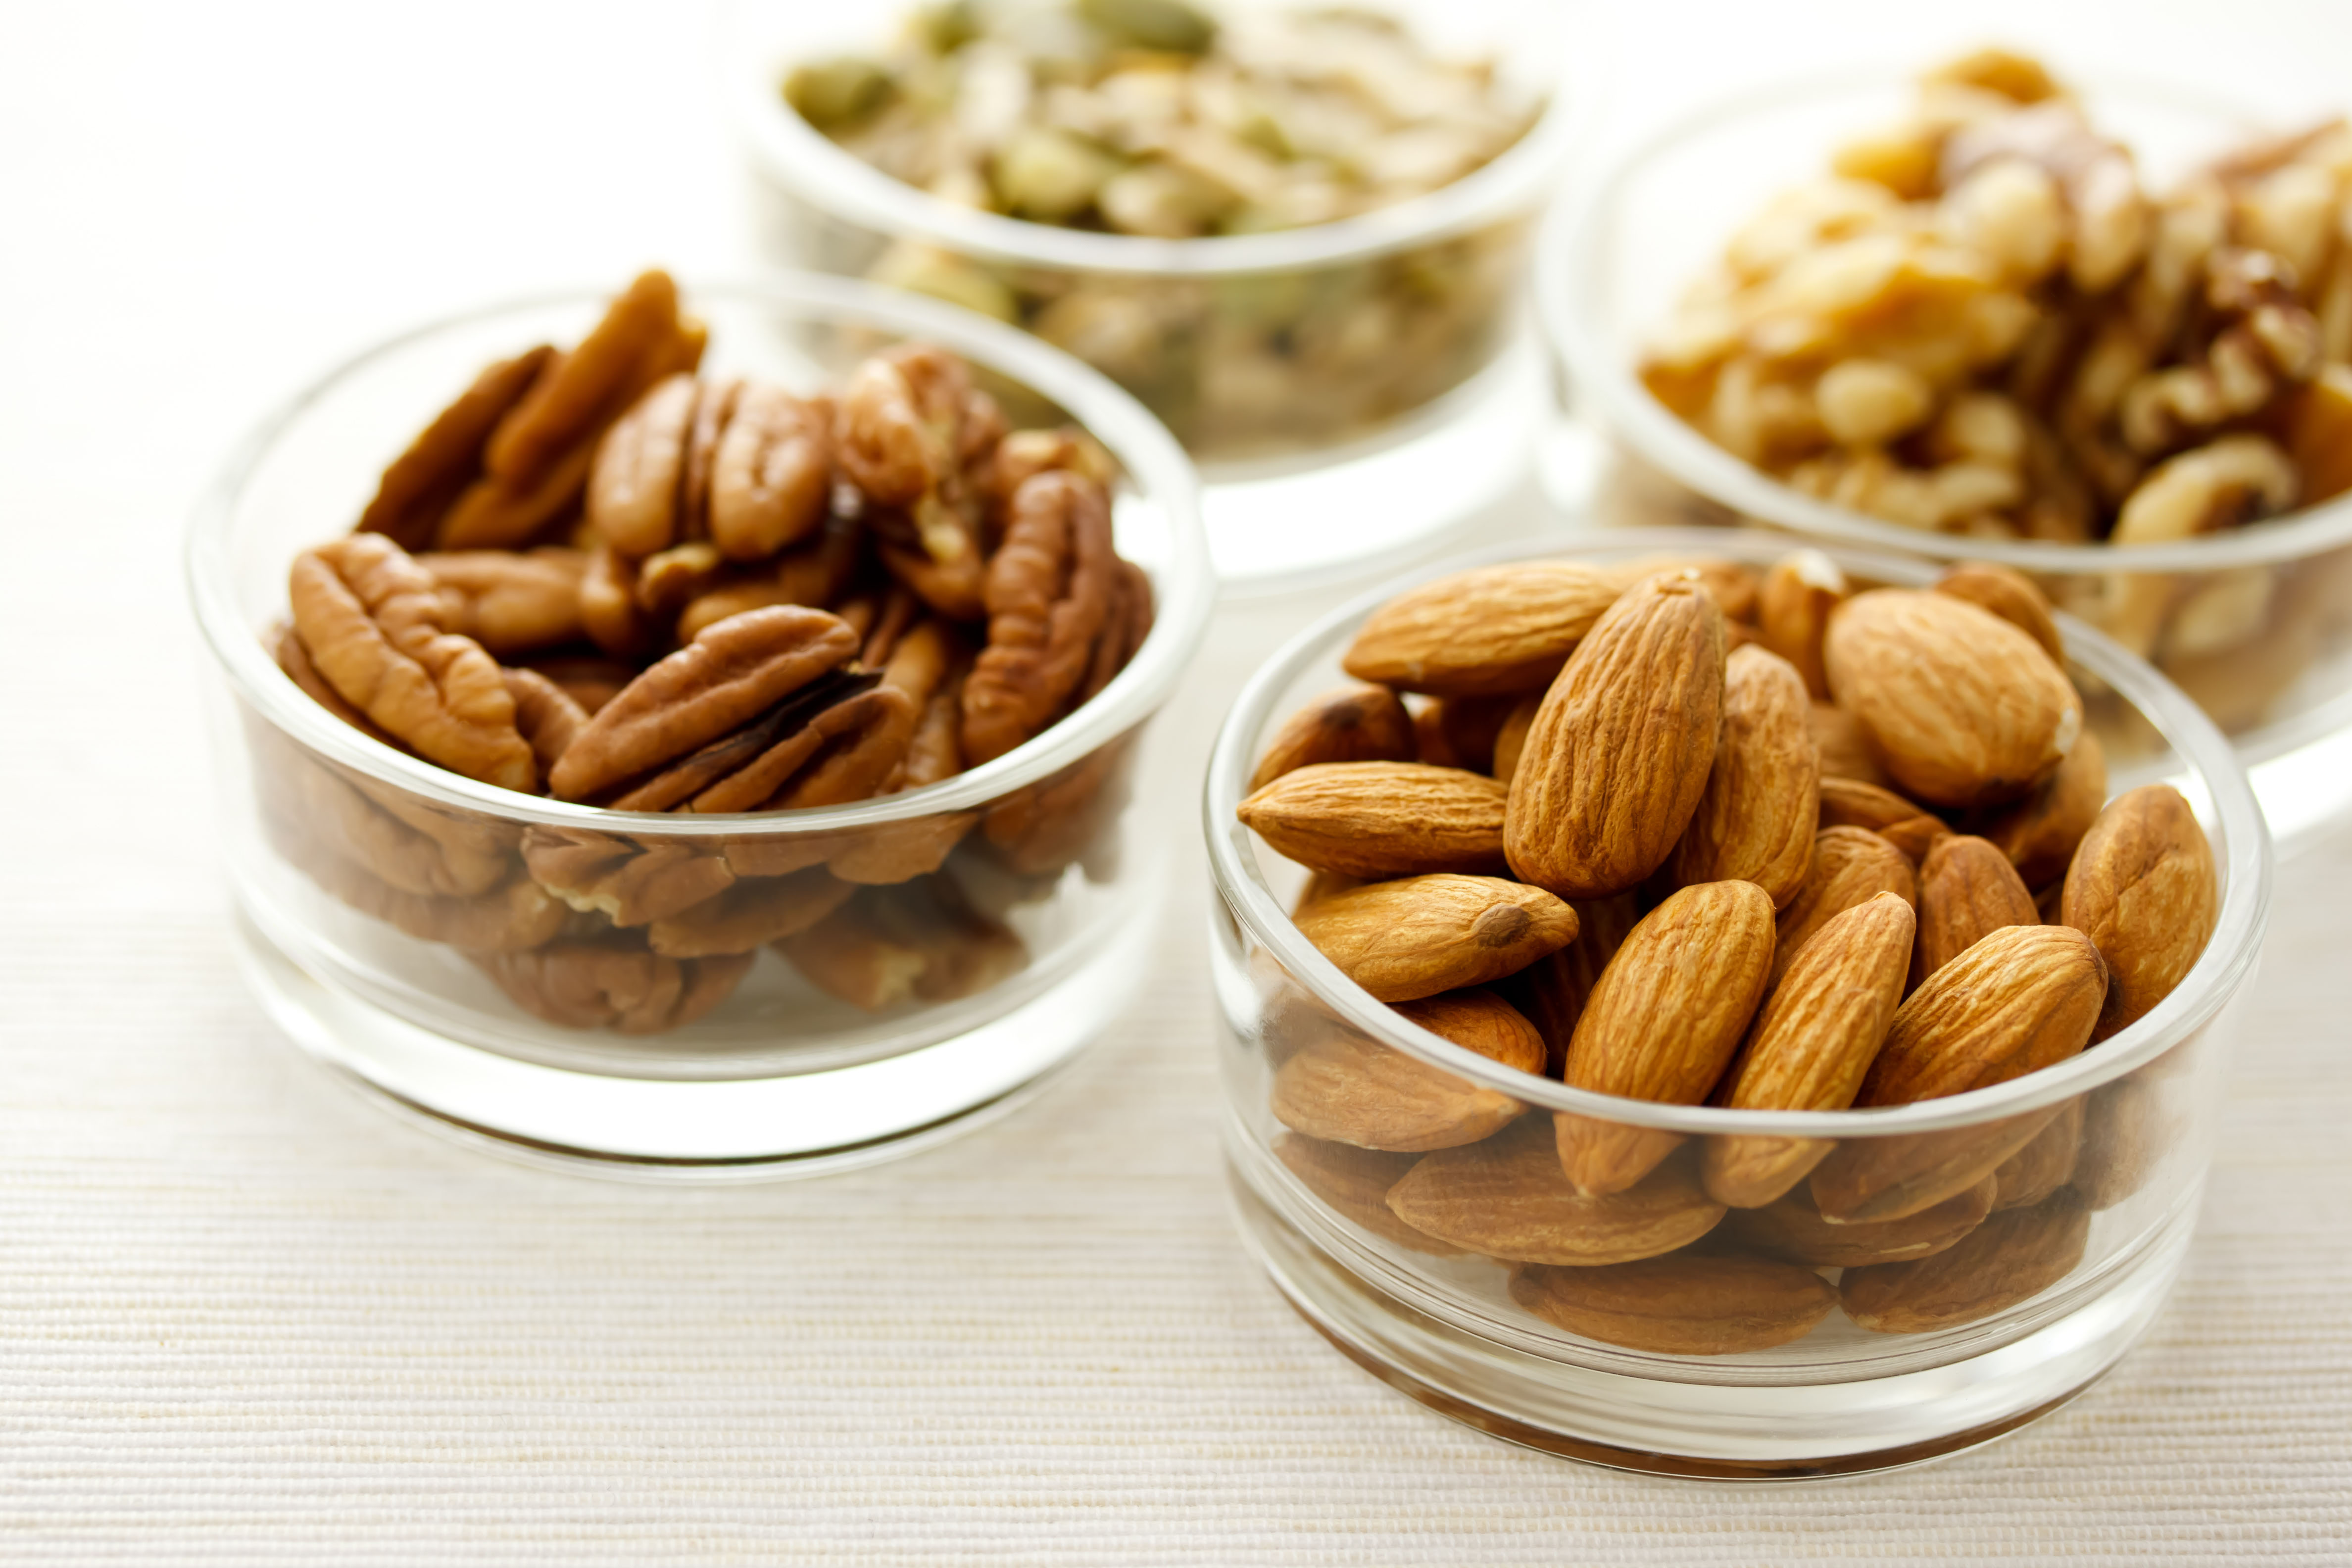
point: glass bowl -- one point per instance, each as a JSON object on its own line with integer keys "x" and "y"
{"x": 1613, "y": 263}
{"x": 601, "y": 984}
{"x": 1376, "y": 342}
{"x": 1442, "y": 1324}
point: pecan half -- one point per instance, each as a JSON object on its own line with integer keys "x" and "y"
{"x": 630, "y": 881}
{"x": 446, "y": 456}
{"x": 509, "y": 919}
{"x": 597, "y": 986}
{"x": 1049, "y": 594}
{"x": 929, "y": 666}
{"x": 374, "y": 624}
{"x": 772, "y": 475}
{"x": 922, "y": 940}
{"x": 640, "y": 469}
{"x": 815, "y": 574}
{"x": 751, "y": 914}
{"x": 511, "y": 602}
{"x": 546, "y": 714}
{"x": 1040, "y": 829}
{"x": 609, "y": 611}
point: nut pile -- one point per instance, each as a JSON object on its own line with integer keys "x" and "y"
{"x": 1982, "y": 323}
{"x": 600, "y": 578}
{"x": 1673, "y": 833}
{"x": 1154, "y": 118}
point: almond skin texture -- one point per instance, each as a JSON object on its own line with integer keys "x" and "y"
{"x": 1355, "y": 1182}
{"x": 1870, "y": 1180}
{"x": 1382, "y": 819}
{"x": 1843, "y": 746}
{"x": 1485, "y": 631}
{"x": 1793, "y": 1230}
{"x": 1851, "y": 803}
{"x": 1755, "y": 823}
{"x": 1792, "y": 612}
{"x": 2042, "y": 1166}
{"x": 2024, "y": 998}
{"x": 1346, "y": 1089}
{"x": 1810, "y": 1045}
{"x": 1851, "y": 867}
{"x": 2143, "y": 887}
{"x": 2011, "y": 1258}
{"x": 1507, "y": 1198}
{"x": 1356, "y": 723}
{"x": 1681, "y": 1305}
{"x": 1405, "y": 940}
{"x": 1967, "y": 890}
{"x": 1619, "y": 751}
{"x": 1512, "y": 738}
{"x": 2010, "y": 594}
{"x": 1662, "y": 1024}
{"x": 1964, "y": 709}
{"x": 2041, "y": 833}
{"x": 1552, "y": 991}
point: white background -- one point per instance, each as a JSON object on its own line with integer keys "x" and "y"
{"x": 244, "y": 1317}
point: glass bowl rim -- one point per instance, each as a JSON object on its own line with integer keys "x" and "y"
{"x": 1567, "y": 260}
{"x": 1162, "y": 475}
{"x": 2223, "y": 967}
{"x": 837, "y": 182}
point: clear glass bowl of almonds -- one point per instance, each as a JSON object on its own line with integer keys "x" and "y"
{"x": 1633, "y": 1054}
{"x": 1295, "y": 233}
{"x": 1986, "y": 315}
{"x": 698, "y": 734}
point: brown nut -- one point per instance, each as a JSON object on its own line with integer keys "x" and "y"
{"x": 1382, "y": 819}
{"x": 1686, "y": 1304}
{"x": 589, "y": 386}
{"x": 1792, "y": 612}
{"x": 2040, "y": 833}
{"x": 1490, "y": 631}
{"x": 2009, "y": 1259}
{"x": 374, "y": 625}
{"x": 1850, "y": 802}
{"x": 1871, "y": 1180}
{"x": 1405, "y": 940}
{"x": 1851, "y": 867}
{"x": 511, "y": 602}
{"x": 1344, "y": 1087}
{"x": 628, "y": 881}
{"x": 594, "y": 986}
{"x": 1553, "y": 990}
{"x": 2009, "y": 593}
{"x": 1843, "y": 747}
{"x": 545, "y": 714}
{"x": 2143, "y": 887}
{"x": 446, "y": 456}
{"x": 919, "y": 941}
{"x": 750, "y": 914}
{"x": 639, "y": 470}
{"x": 1356, "y": 1182}
{"x": 1356, "y": 723}
{"x": 1967, "y": 890}
{"x": 2042, "y": 1166}
{"x": 1755, "y": 820}
{"x": 1463, "y": 732}
{"x": 772, "y": 474}
{"x": 1507, "y": 1198}
{"x": 1048, "y": 594}
{"x": 2021, "y": 998}
{"x": 1618, "y": 755}
{"x": 1792, "y": 1229}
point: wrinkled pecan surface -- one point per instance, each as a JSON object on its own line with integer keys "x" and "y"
{"x": 1049, "y": 591}
{"x": 597, "y": 986}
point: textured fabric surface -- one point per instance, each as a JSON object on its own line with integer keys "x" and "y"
{"x": 246, "y": 1316}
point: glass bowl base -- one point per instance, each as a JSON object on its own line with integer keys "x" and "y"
{"x": 1698, "y": 1429}
{"x": 759, "y": 1129}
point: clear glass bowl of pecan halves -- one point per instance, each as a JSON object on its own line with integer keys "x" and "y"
{"x": 2094, "y": 329}
{"x": 1698, "y": 1008}
{"x": 699, "y": 729}
{"x": 1285, "y": 227}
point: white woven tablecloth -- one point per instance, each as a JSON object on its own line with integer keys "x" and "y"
{"x": 245, "y": 1316}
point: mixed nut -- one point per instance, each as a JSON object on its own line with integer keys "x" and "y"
{"x": 1982, "y": 323}
{"x": 599, "y": 578}
{"x": 1154, "y": 118}
{"x": 1673, "y": 832}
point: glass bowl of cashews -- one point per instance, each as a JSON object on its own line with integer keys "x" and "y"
{"x": 2096, "y": 331}
{"x": 697, "y": 733}
{"x": 1630, "y": 1054}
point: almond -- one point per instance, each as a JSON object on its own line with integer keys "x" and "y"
{"x": 1461, "y": 732}
{"x": 1792, "y": 611}
{"x": 1512, "y": 738}
{"x": 1552, "y": 991}
{"x": 2124, "y": 1134}
{"x": 2010, "y": 594}
{"x": 2009, "y": 1259}
{"x": 1490, "y": 630}
{"x": 1967, "y": 890}
{"x": 1964, "y": 709}
{"x": 2045, "y": 1165}
{"x": 1345, "y": 1088}
{"x": 1754, "y": 821}
{"x": 1507, "y": 1199}
{"x": 2023, "y": 998}
{"x": 1731, "y": 585}
{"x": 1382, "y": 819}
{"x": 1869, "y": 1180}
{"x": 1850, "y": 865}
{"x": 1356, "y": 723}
{"x": 1843, "y": 746}
{"x": 1810, "y": 1045}
{"x": 1851, "y": 803}
{"x": 1405, "y": 940}
{"x": 1321, "y": 885}
{"x": 1681, "y": 1305}
{"x": 1792, "y": 1229}
{"x": 2143, "y": 887}
{"x": 1355, "y": 1182}
{"x": 1619, "y": 754}
{"x": 1663, "y": 1023}
{"x": 2040, "y": 833}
